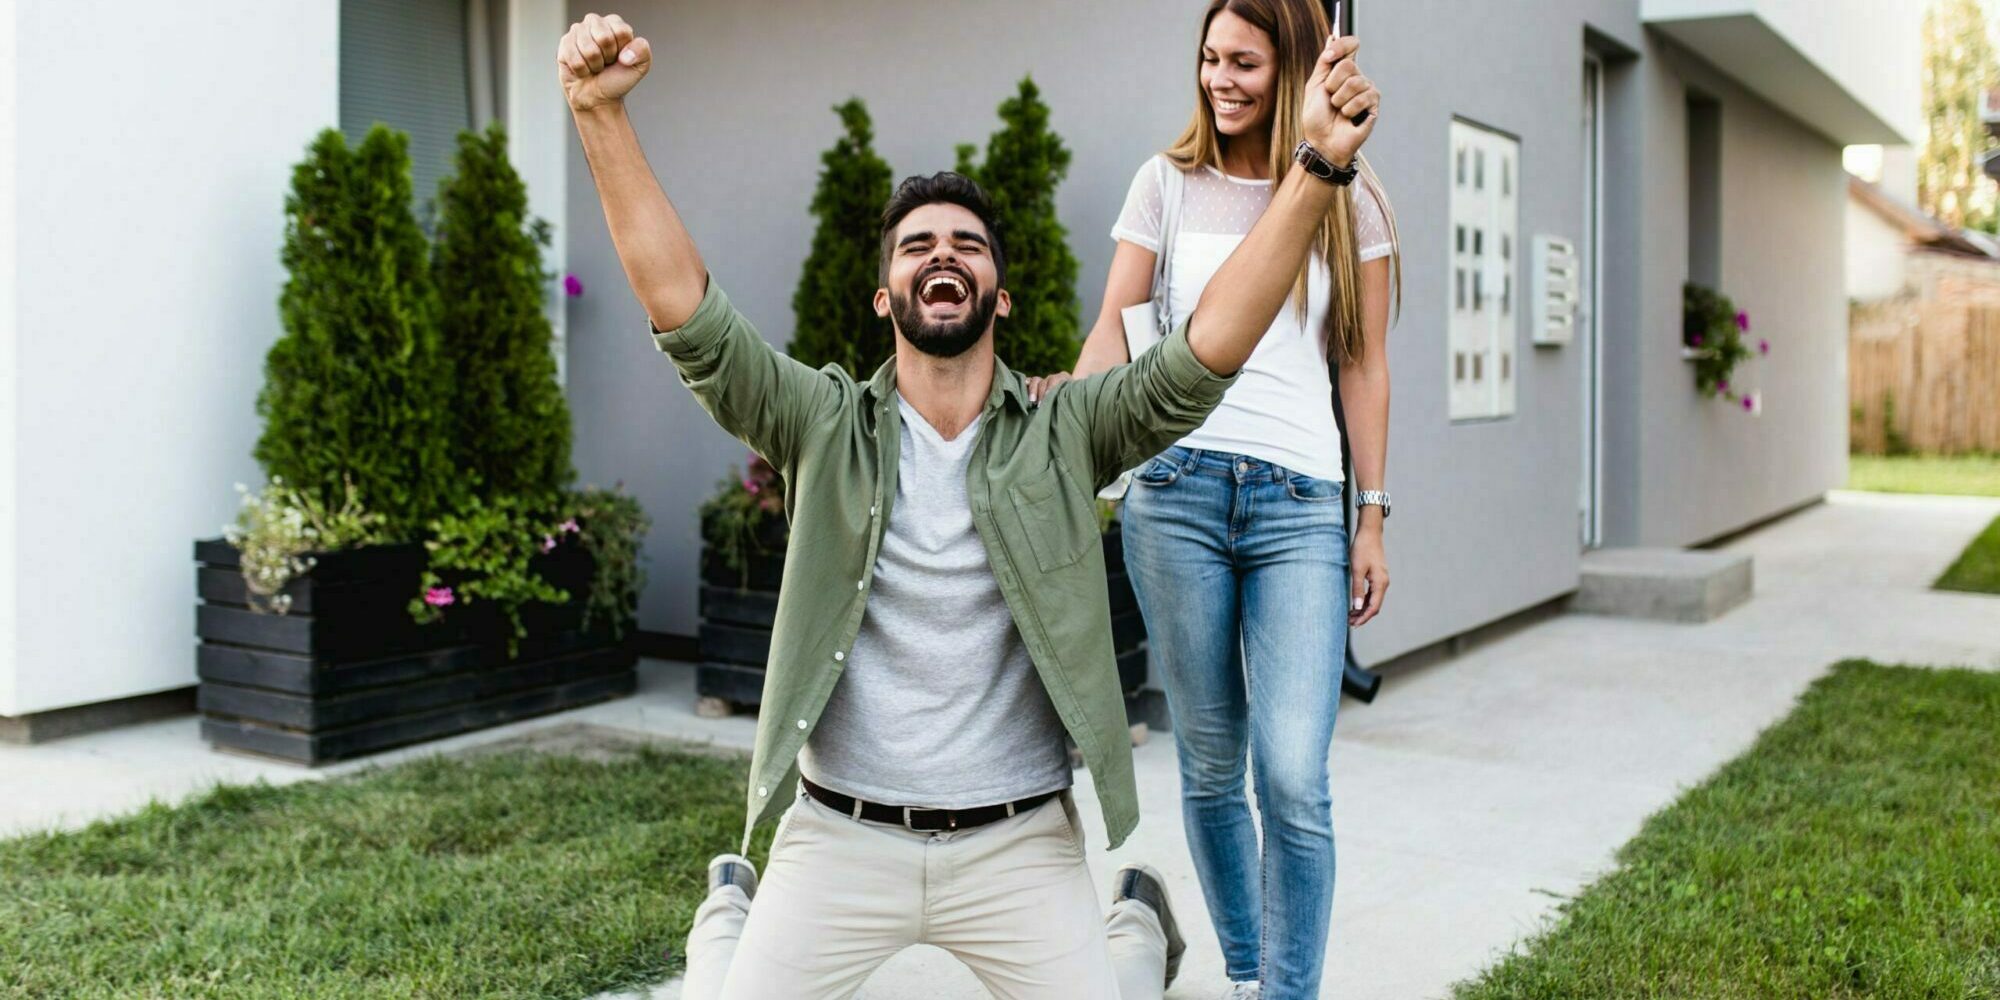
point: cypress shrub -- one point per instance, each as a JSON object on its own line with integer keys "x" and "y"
{"x": 509, "y": 424}
{"x": 833, "y": 312}
{"x": 356, "y": 387}
{"x": 1025, "y": 162}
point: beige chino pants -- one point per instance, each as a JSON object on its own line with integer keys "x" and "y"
{"x": 1013, "y": 900}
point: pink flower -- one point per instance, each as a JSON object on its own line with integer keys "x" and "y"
{"x": 1763, "y": 347}
{"x": 1722, "y": 384}
{"x": 751, "y": 485}
{"x": 1743, "y": 321}
{"x": 1749, "y": 403}
{"x": 438, "y": 597}
{"x": 569, "y": 527}
{"x": 572, "y": 286}
{"x": 1697, "y": 340}
{"x": 548, "y": 542}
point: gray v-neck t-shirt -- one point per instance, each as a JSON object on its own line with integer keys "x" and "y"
{"x": 939, "y": 705}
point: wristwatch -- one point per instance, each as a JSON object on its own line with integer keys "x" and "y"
{"x": 1323, "y": 168}
{"x": 1378, "y": 498}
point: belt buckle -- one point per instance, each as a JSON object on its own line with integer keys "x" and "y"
{"x": 909, "y": 822}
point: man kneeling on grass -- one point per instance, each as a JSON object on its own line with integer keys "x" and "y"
{"x": 943, "y": 620}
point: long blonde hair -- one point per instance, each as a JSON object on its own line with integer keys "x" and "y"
{"x": 1298, "y": 30}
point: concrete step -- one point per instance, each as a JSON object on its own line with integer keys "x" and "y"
{"x": 1663, "y": 584}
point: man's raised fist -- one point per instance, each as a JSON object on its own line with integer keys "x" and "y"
{"x": 600, "y": 60}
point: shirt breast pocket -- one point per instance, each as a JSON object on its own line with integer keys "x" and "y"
{"x": 1060, "y": 524}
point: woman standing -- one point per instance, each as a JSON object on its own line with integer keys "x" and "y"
{"x": 1235, "y": 539}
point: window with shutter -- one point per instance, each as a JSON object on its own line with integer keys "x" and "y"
{"x": 403, "y": 63}
{"x": 1485, "y": 220}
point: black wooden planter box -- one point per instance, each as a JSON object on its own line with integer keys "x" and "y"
{"x": 346, "y": 671}
{"x": 736, "y": 617}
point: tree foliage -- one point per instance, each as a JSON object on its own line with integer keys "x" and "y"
{"x": 1025, "y": 162}
{"x": 834, "y": 321}
{"x": 355, "y": 389}
{"x": 1959, "y": 69}
{"x": 510, "y": 427}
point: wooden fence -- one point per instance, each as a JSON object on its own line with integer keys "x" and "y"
{"x": 1926, "y": 373}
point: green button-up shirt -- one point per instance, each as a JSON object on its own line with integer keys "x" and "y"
{"x": 1034, "y": 474}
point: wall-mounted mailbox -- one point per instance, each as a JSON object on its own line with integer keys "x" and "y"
{"x": 1558, "y": 289}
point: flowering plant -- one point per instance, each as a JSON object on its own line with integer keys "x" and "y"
{"x": 1715, "y": 336}
{"x": 486, "y": 551}
{"x": 737, "y": 520}
{"x": 482, "y": 552}
{"x": 612, "y": 527}
{"x": 280, "y": 527}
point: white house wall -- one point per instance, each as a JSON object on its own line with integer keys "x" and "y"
{"x": 537, "y": 128}
{"x": 151, "y": 181}
{"x": 1848, "y": 67}
{"x": 9, "y": 340}
{"x": 1875, "y": 251}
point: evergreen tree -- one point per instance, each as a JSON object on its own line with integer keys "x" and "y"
{"x": 1959, "y": 69}
{"x": 510, "y": 428}
{"x": 1024, "y": 164}
{"x": 833, "y": 311}
{"x": 355, "y": 387}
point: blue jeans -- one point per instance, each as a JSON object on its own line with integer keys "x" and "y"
{"x": 1241, "y": 570}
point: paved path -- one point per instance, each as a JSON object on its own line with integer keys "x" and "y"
{"x": 1468, "y": 800}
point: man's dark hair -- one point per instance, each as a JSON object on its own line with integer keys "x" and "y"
{"x": 946, "y": 188}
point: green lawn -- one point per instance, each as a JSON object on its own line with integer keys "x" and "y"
{"x": 1965, "y": 475}
{"x": 1978, "y": 567}
{"x": 516, "y": 876}
{"x": 1854, "y": 851}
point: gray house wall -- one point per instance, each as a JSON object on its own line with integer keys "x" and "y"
{"x": 1701, "y": 469}
{"x": 736, "y": 113}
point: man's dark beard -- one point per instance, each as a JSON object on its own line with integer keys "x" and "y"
{"x": 942, "y": 340}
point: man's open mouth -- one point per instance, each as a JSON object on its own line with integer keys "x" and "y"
{"x": 944, "y": 288}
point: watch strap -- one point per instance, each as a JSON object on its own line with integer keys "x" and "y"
{"x": 1321, "y": 167}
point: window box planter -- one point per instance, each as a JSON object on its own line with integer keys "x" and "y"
{"x": 347, "y": 672}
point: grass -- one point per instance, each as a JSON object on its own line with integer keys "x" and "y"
{"x": 517, "y": 875}
{"x": 1961, "y": 475}
{"x": 1854, "y": 851}
{"x": 1977, "y": 570}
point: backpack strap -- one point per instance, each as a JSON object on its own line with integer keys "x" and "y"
{"x": 1173, "y": 187}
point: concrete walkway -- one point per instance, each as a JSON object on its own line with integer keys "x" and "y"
{"x": 1468, "y": 800}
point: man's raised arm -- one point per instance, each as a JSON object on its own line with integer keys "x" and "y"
{"x": 767, "y": 400}
{"x": 600, "y": 60}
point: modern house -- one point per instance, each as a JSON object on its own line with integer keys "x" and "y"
{"x": 1596, "y": 155}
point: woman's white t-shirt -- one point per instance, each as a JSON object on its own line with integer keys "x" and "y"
{"x": 1281, "y": 409}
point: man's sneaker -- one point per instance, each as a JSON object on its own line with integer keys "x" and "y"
{"x": 1244, "y": 991}
{"x": 733, "y": 869}
{"x": 1143, "y": 884}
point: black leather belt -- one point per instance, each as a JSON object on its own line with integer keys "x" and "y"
{"x": 922, "y": 820}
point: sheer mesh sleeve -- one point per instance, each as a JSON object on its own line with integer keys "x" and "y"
{"x": 1371, "y": 223}
{"x": 1139, "y": 221}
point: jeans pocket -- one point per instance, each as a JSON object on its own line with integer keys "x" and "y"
{"x": 1157, "y": 472}
{"x": 1306, "y": 489}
